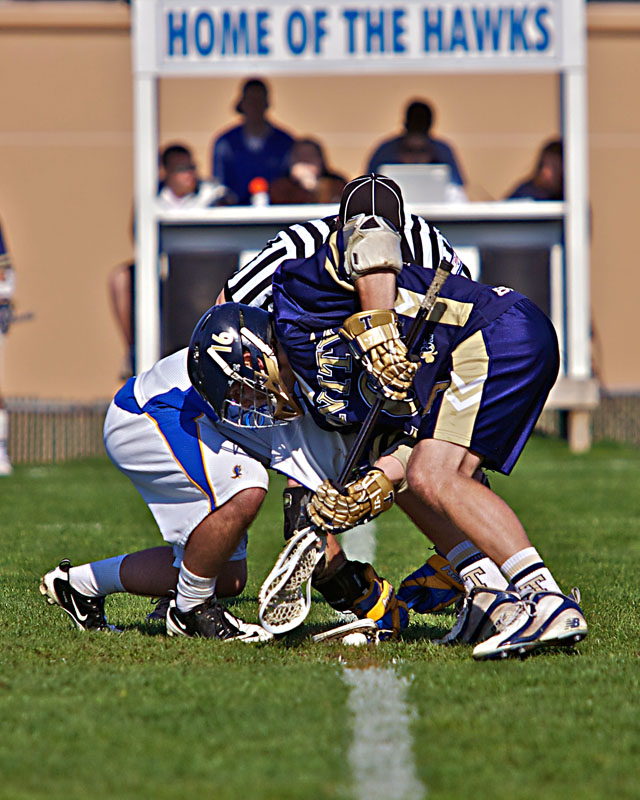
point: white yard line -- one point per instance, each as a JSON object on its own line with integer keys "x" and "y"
{"x": 380, "y": 755}
{"x": 360, "y": 543}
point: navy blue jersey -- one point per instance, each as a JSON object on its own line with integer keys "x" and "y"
{"x": 312, "y": 298}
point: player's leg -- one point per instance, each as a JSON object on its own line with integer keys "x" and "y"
{"x": 514, "y": 363}
{"x": 182, "y": 493}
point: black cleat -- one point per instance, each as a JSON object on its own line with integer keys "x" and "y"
{"x": 87, "y": 613}
{"x": 211, "y": 620}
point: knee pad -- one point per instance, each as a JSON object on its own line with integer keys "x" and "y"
{"x": 356, "y": 587}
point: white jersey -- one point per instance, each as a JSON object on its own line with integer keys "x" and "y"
{"x": 422, "y": 243}
{"x": 186, "y": 463}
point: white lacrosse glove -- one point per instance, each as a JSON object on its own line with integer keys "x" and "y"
{"x": 371, "y": 244}
{"x": 366, "y": 497}
{"x": 374, "y": 339}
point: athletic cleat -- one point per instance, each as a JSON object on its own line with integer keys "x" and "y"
{"x": 358, "y": 632}
{"x": 284, "y": 599}
{"x": 432, "y": 587}
{"x": 211, "y": 620}
{"x": 87, "y": 613}
{"x": 478, "y": 615}
{"x": 159, "y": 613}
{"x": 539, "y": 619}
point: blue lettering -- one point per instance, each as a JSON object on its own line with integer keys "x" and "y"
{"x": 397, "y": 30}
{"x": 458, "y": 32}
{"x": 375, "y": 31}
{"x": 262, "y": 31}
{"x": 490, "y": 26}
{"x": 432, "y": 29}
{"x": 204, "y": 40}
{"x": 518, "y": 39}
{"x": 233, "y": 31}
{"x": 319, "y": 15}
{"x": 299, "y": 43}
{"x": 177, "y": 30}
{"x": 541, "y": 13}
{"x": 351, "y": 16}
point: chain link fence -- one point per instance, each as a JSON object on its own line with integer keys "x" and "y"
{"x": 45, "y": 432}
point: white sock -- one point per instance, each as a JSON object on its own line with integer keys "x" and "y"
{"x": 192, "y": 589}
{"x": 475, "y": 568}
{"x": 528, "y": 572}
{"x": 98, "y": 578}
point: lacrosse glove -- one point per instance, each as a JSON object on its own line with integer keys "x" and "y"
{"x": 356, "y": 587}
{"x": 374, "y": 339}
{"x": 433, "y": 586}
{"x": 365, "y": 498}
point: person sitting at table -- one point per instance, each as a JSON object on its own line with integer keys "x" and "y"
{"x": 418, "y": 120}
{"x": 180, "y": 187}
{"x": 309, "y": 179}
{"x": 546, "y": 181}
{"x": 254, "y": 149}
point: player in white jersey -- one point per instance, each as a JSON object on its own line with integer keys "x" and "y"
{"x": 203, "y": 476}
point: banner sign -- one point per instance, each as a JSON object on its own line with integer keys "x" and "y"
{"x": 355, "y": 36}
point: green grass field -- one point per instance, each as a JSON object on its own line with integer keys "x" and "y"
{"x": 141, "y": 716}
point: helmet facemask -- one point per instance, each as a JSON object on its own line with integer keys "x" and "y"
{"x": 256, "y": 396}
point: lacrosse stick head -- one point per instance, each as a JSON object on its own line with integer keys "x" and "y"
{"x": 284, "y": 599}
{"x": 233, "y": 366}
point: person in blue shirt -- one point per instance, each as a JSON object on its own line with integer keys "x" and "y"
{"x": 254, "y": 149}
{"x": 418, "y": 119}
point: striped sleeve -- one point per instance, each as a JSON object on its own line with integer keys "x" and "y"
{"x": 427, "y": 246}
{"x": 252, "y": 284}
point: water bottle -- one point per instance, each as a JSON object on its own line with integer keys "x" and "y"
{"x": 259, "y": 191}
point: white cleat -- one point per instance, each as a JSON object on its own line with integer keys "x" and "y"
{"x": 540, "y": 619}
{"x": 284, "y": 599}
{"x": 478, "y": 615}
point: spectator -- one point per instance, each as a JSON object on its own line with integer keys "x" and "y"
{"x": 255, "y": 149}
{"x": 180, "y": 187}
{"x": 309, "y": 179}
{"x": 7, "y": 284}
{"x": 418, "y": 120}
{"x": 546, "y": 182}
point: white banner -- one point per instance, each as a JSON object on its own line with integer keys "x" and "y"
{"x": 227, "y": 36}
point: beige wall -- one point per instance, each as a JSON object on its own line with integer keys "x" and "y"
{"x": 66, "y": 156}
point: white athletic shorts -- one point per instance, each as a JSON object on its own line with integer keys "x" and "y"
{"x": 182, "y": 477}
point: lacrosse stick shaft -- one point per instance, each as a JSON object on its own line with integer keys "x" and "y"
{"x": 441, "y": 275}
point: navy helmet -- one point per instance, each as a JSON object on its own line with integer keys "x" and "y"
{"x": 233, "y": 366}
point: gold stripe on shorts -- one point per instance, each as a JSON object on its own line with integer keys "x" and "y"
{"x": 461, "y": 401}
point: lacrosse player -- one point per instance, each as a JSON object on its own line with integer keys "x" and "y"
{"x": 470, "y": 394}
{"x": 428, "y": 588}
{"x": 194, "y": 434}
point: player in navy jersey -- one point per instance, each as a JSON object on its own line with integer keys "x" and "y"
{"x": 471, "y": 393}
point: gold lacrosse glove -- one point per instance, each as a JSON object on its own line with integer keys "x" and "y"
{"x": 366, "y": 497}
{"x": 374, "y": 339}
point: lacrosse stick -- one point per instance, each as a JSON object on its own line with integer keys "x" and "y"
{"x": 283, "y": 600}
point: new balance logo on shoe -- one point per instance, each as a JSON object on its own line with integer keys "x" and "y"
{"x": 540, "y": 619}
